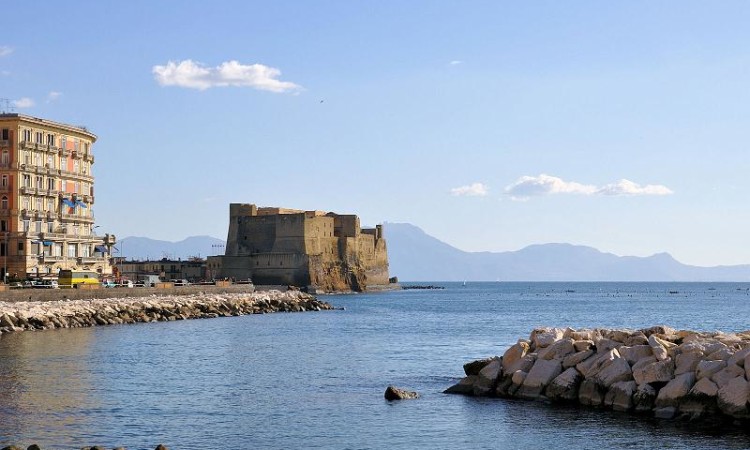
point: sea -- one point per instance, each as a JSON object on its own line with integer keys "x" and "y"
{"x": 316, "y": 379}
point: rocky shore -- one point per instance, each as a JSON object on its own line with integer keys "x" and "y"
{"x": 45, "y": 315}
{"x": 657, "y": 371}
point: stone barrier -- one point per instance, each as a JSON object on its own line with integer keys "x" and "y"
{"x": 657, "y": 371}
{"x": 20, "y": 316}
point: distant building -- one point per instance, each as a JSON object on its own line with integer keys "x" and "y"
{"x": 47, "y": 199}
{"x": 283, "y": 246}
{"x": 193, "y": 269}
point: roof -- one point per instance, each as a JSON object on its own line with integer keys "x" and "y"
{"x": 80, "y": 129}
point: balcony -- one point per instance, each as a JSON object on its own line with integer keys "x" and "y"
{"x": 91, "y": 259}
{"x": 4, "y": 143}
{"x": 29, "y": 190}
{"x": 82, "y": 176}
{"x": 76, "y": 218}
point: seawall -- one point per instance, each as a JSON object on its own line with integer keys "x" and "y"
{"x": 44, "y": 315}
{"x": 657, "y": 371}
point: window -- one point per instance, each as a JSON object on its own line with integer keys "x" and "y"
{"x": 39, "y": 137}
{"x": 57, "y": 250}
{"x": 38, "y": 226}
{"x": 63, "y": 142}
{"x": 4, "y": 203}
{"x": 76, "y": 144}
{"x": 76, "y": 166}
{"x": 39, "y": 204}
{"x": 50, "y": 162}
{"x": 50, "y": 227}
{"x": 51, "y": 206}
{"x": 2, "y": 249}
{"x": 20, "y": 247}
{"x": 6, "y": 157}
{"x": 6, "y": 132}
{"x": 39, "y": 182}
{"x": 63, "y": 163}
{"x": 3, "y": 225}
{"x": 26, "y": 158}
{"x": 25, "y": 202}
{"x": 71, "y": 250}
{"x": 51, "y": 139}
{"x": 4, "y": 181}
{"x": 85, "y": 251}
{"x": 77, "y": 187}
{"x": 27, "y": 135}
{"x": 25, "y": 225}
{"x": 37, "y": 159}
{"x": 50, "y": 184}
{"x": 27, "y": 180}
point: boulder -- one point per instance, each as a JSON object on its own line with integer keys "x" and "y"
{"x": 674, "y": 391}
{"x": 590, "y": 367}
{"x": 644, "y": 398}
{"x": 544, "y": 337}
{"x": 659, "y": 329}
{"x": 701, "y": 398}
{"x": 161, "y": 447}
{"x": 604, "y": 345}
{"x": 620, "y": 396}
{"x": 575, "y": 358}
{"x": 517, "y": 379}
{"x": 722, "y": 354}
{"x": 732, "y": 398}
{"x": 394, "y": 393}
{"x": 525, "y": 364}
{"x": 638, "y": 338}
{"x": 580, "y": 335}
{"x": 487, "y": 378}
{"x": 543, "y": 372}
{"x": 558, "y": 350}
{"x": 727, "y": 374}
{"x": 635, "y": 353}
{"x": 653, "y": 372}
{"x": 687, "y": 362}
{"x": 591, "y": 393}
{"x": 617, "y": 370}
{"x": 583, "y": 345}
{"x": 658, "y": 348}
{"x": 464, "y": 387}
{"x": 565, "y": 386}
{"x": 473, "y": 367}
{"x": 705, "y": 369}
{"x": 738, "y": 358}
{"x": 514, "y": 354}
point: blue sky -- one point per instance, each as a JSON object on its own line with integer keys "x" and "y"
{"x": 491, "y": 125}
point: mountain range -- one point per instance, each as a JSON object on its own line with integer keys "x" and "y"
{"x": 416, "y": 256}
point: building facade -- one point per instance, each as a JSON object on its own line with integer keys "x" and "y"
{"x": 47, "y": 199}
{"x": 279, "y": 246}
{"x": 193, "y": 269}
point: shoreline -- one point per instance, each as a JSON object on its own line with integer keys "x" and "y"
{"x": 78, "y": 313}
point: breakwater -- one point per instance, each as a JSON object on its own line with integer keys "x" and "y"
{"x": 43, "y": 315}
{"x": 657, "y": 371}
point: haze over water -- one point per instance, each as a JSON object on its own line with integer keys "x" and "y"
{"x": 316, "y": 380}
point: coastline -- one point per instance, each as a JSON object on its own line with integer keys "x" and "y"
{"x": 76, "y": 313}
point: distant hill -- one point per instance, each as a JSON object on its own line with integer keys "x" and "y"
{"x": 143, "y": 248}
{"x": 416, "y": 256}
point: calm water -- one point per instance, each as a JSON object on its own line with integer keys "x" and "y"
{"x": 316, "y": 380}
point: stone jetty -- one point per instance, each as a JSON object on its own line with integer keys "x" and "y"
{"x": 34, "y": 315}
{"x": 657, "y": 371}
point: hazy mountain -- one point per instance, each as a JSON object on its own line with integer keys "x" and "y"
{"x": 143, "y": 248}
{"x": 414, "y": 255}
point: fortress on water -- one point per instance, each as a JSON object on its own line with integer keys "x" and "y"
{"x": 323, "y": 251}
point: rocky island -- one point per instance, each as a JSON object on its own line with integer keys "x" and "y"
{"x": 657, "y": 371}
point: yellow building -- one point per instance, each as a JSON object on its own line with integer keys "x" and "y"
{"x": 47, "y": 199}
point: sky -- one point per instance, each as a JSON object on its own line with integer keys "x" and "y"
{"x": 491, "y": 125}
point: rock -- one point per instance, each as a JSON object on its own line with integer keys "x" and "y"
{"x": 540, "y": 375}
{"x": 591, "y": 393}
{"x": 727, "y": 374}
{"x": 675, "y": 390}
{"x": 738, "y": 358}
{"x": 11, "y": 447}
{"x": 644, "y": 398}
{"x": 473, "y": 367}
{"x": 658, "y": 348}
{"x": 638, "y": 338}
{"x": 565, "y": 386}
{"x": 705, "y": 369}
{"x": 464, "y": 387}
{"x": 576, "y": 358}
{"x": 558, "y": 350}
{"x": 617, "y": 370}
{"x": 517, "y": 379}
{"x": 604, "y": 345}
{"x": 659, "y": 329}
{"x": 620, "y": 396}
{"x": 583, "y": 345}
{"x": 732, "y": 398}
{"x": 514, "y": 354}
{"x": 655, "y": 372}
{"x": 487, "y": 378}
{"x": 722, "y": 354}
{"x": 590, "y": 367}
{"x": 544, "y": 337}
{"x": 687, "y": 362}
{"x": 701, "y": 398}
{"x": 33, "y": 447}
{"x": 633, "y": 354}
{"x": 394, "y": 393}
{"x": 525, "y": 364}
{"x": 161, "y": 447}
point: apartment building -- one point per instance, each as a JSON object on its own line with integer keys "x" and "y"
{"x": 47, "y": 200}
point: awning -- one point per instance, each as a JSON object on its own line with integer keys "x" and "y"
{"x": 81, "y": 204}
{"x": 101, "y": 248}
{"x": 48, "y": 243}
{"x": 69, "y": 202}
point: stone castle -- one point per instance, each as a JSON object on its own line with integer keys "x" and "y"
{"x": 323, "y": 251}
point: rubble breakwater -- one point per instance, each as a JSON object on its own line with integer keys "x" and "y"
{"x": 44, "y": 315}
{"x": 657, "y": 371}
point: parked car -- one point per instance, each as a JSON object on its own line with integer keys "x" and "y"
{"x": 181, "y": 282}
{"x": 126, "y": 284}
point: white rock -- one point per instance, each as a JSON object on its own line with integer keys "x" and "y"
{"x": 558, "y": 350}
{"x": 565, "y": 385}
{"x": 583, "y": 344}
{"x": 687, "y": 362}
{"x": 727, "y": 374}
{"x": 675, "y": 390}
{"x": 635, "y": 353}
{"x": 514, "y": 354}
{"x": 705, "y": 369}
{"x": 620, "y": 396}
{"x": 615, "y": 371}
{"x": 732, "y": 398}
{"x": 543, "y": 372}
{"x": 655, "y": 372}
{"x": 576, "y": 358}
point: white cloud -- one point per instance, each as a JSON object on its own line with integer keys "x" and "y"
{"x": 24, "y": 102}
{"x": 527, "y": 186}
{"x": 194, "y": 75}
{"x": 627, "y": 187}
{"x": 5, "y": 50}
{"x": 471, "y": 190}
{"x": 52, "y": 96}
{"x": 455, "y": 62}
